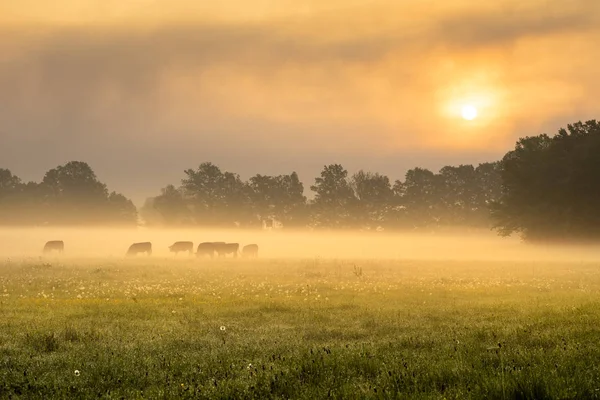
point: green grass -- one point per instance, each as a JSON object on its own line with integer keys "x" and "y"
{"x": 151, "y": 328}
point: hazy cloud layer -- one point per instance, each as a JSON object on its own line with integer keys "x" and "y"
{"x": 376, "y": 87}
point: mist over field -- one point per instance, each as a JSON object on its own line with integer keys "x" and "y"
{"x": 371, "y": 199}
{"x": 454, "y": 244}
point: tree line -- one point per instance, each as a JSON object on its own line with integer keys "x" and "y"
{"x": 547, "y": 188}
{"x": 209, "y": 197}
{"x": 69, "y": 194}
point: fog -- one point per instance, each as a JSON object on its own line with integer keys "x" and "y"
{"x": 16, "y": 243}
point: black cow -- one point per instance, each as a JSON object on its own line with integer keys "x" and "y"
{"x": 223, "y": 249}
{"x": 53, "y": 245}
{"x": 250, "y": 251}
{"x": 137, "y": 248}
{"x": 178, "y": 247}
{"x": 206, "y": 249}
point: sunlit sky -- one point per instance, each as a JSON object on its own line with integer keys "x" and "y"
{"x": 146, "y": 88}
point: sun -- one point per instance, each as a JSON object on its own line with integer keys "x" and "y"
{"x": 469, "y": 112}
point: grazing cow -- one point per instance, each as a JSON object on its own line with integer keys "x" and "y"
{"x": 206, "y": 249}
{"x": 250, "y": 250}
{"x": 223, "y": 249}
{"x": 52, "y": 245}
{"x": 137, "y": 248}
{"x": 178, "y": 247}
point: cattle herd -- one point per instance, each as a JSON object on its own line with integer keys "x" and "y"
{"x": 210, "y": 249}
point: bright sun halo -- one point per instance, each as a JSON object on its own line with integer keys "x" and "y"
{"x": 469, "y": 112}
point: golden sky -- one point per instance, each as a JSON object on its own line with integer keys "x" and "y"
{"x": 155, "y": 86}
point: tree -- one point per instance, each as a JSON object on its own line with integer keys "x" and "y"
{"x": 121, "y": 210}
{"x": 216, "y": 197}
{"x": 489, "y": 188}
{"x": 295, "y": 211}
{"x": 420, "y": 197}
{"x": 171, "y": 206}
{"x": 374, "y": 197}
{"x": 334, "y": 198}
{"x": 75, "y": 180}
{"x": 278, "y": 198}
{"x": 458, "y": 194}
{"x": 150, "y": 216}
{"x": 72, "y": 194}
{"x": 551, "y": 186}
{"x": 8, "y": 182}
{"x": 11, "y": 190}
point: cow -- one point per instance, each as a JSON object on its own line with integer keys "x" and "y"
{"x": 206, "y": 249}
{"x": 250, "y": 251}
{"x": 137, "y": 248}
{"x": 178, "y": 247}
{"x": 52, "y": 245}
{"x": 223, "y": 249}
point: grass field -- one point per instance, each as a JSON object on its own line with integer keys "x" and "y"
{"x": 313, "y": 328}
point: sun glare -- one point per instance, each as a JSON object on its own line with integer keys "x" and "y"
{"x": 469, "y": 112}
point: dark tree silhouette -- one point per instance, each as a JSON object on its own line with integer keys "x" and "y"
{"x": 420, "y": 196}
{"x": 72, "y": 194}
{"x": 69, "y": 194}
{"x": 279, "y": 198}
{"x": 374, "y": 199}
{"x": 489, "y": 187}
{"x": 217, "y": 198}
{"x": 171, "y": 206}
{"x": 334, "y": 199}
{"x": 11, "y": 190}
{"x": 551, "y": 186}
{"x": 121, "y": 210}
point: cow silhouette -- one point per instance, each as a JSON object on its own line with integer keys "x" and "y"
{"x": 206, "y": 249}
{"x": 137, "y": 248}
{"x": 223, "y": 249}
{"x": 250, "y": 251}
{"x": 179, "y": 247}
{"x": 54, "y": 245}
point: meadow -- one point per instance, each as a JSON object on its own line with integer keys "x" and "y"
{"x": 299, "y": 328}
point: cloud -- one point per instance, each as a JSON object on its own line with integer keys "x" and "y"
{"x": 356, "y": 84}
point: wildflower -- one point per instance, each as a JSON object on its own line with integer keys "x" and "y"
{"x": 76, "y": 372}
{"x": 249, "y": 366}
{"x": 222, "y": 328}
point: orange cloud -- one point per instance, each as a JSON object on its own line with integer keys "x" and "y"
{"x": 354, "y": 77}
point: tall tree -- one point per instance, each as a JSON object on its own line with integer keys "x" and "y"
{"x": 334, "y": 199}
{"x": 216, "y": 197}
{"x": 551, "y": 186}
{"x": 172, "y": 207}
{"x": 121, "y": 210}
{"x": 458, "y": 193}
{"x": 420, "y": 197}
{"x": 11, "y": 190}
{"x": 72, "y": 194}
{"x": 295, "y": 210}
{"x": 279, "y": 198}
{"x": 374, "y": 197}
{"x": 489, "y": 189}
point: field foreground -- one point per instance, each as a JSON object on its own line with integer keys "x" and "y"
{"x": 176, "y": 328}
